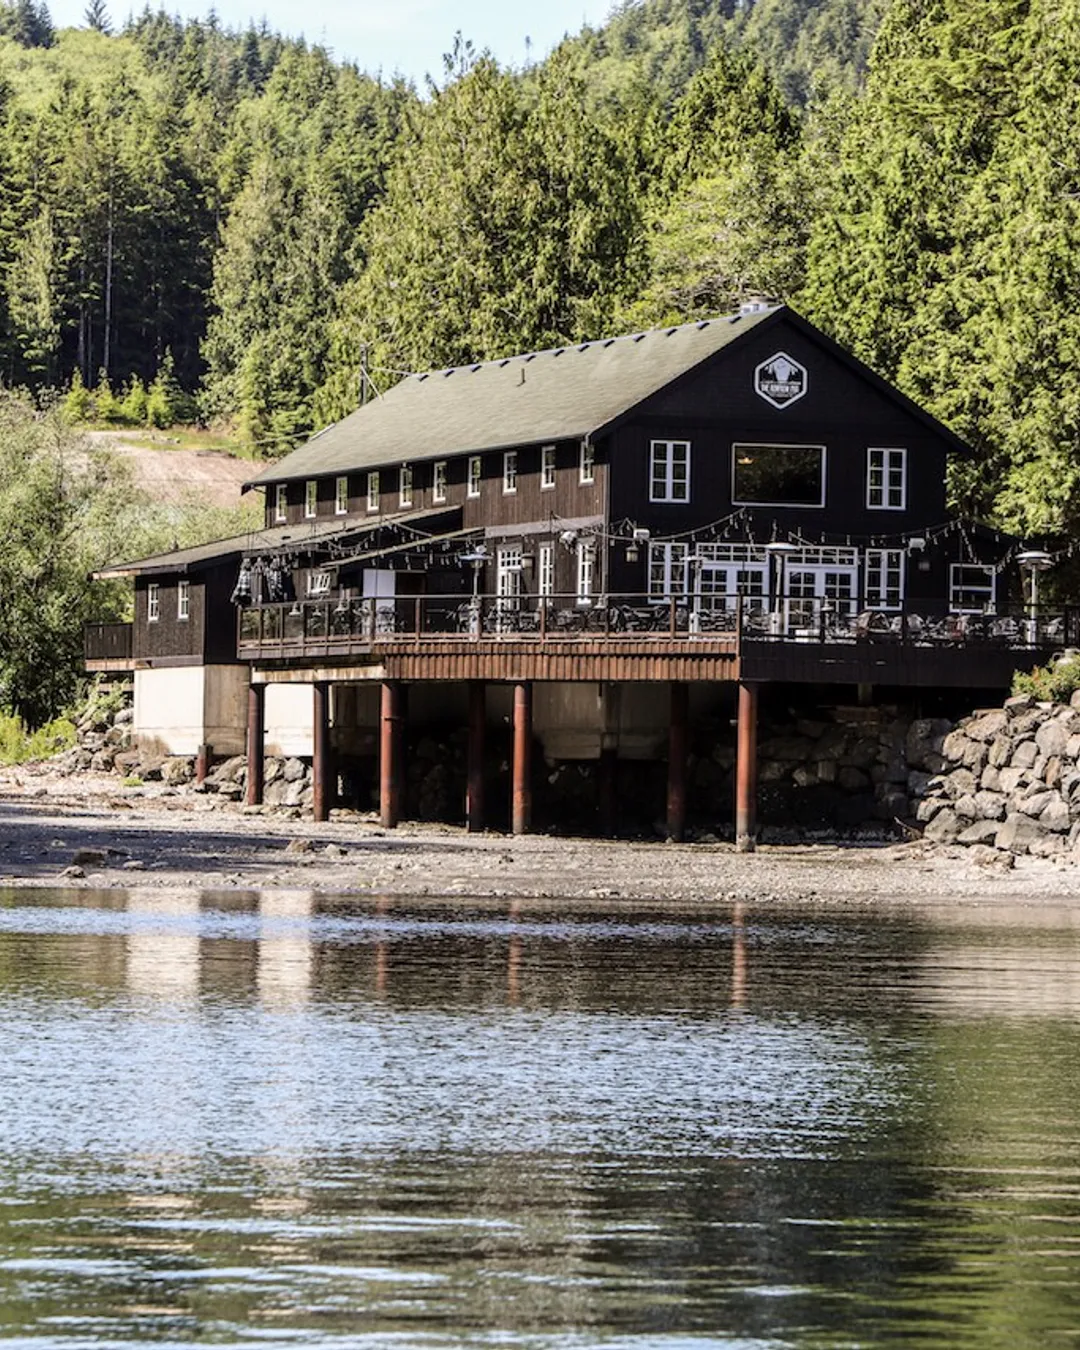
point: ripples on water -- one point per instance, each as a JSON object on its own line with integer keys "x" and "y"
{"x": 235, "y": 1119}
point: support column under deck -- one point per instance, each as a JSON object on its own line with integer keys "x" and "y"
{"x": 677, "y": 748}
{"x": 746, "y": 770}
{"x": 391, "y": 746}
{"x": 521, "y": 800}
{"x": 474, "y": 787}
{"x": 320, "y": 766}
{"x": 256, "y": 734}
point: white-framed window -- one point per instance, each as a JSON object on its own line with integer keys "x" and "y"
{"x": 587, "y": 463}
{"x": 373, "y": 493}
{"x": 476, "y": 472}
{"x": 972, "y": 588}
{"x": 884, "y": 578}
{"x": 311, "y": 498}
{"x": 438, "y": 481}
{"x": 508, "y": 568}
{"x": 545, "y": 571}
{"x": 281, "y": 502}
{"x": 777, "y": 475}
{"x": 510, "y": 472}
{"x": 667, "y": 571}
{"x": 547, "y": 468}
{"x": 405, "y": 485}
{"x": 341, "y": 495}
{"x": 886, "y": 479}
{"x": 153, "y": 602}
{"x": 669, "y": 471}
{"x": 318, "y": 581}
{"x": 183, "y": 600}
{"x": 586, "y": 571}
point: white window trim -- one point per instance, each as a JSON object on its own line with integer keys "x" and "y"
{"x": 183, "y": 601}
{"x": 311, "y": 499}
{"x": 991, "y": 576}
{"x": 405, "y": 485}
{"x": 781, "y": 445}
{"x": 318, "y": 582}
{"x": 475, "y": 476}
{"x": 153, "y": 602}
{"x": 545, "y": 571}
{"x": 674, "y": 562}
{"x": 587, "y": 464}
{"x": 438, "y": 481}
{"x": 667, "y": 496}
{"x": 510, "y": 472}
{"x": 887, "y": 451}
{"x": 586, "y": 572}
{"x": 341, "y": 495}
{"x": 281, "y": 502}
{"x": 875, "y": 560}
{"x": 374, "y": 491}
{"x": 547, "y": 468}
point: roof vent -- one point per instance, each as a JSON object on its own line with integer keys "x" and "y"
{"x": 756, "y": 304}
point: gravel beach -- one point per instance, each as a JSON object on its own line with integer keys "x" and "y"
{"x": 87, "y": 831}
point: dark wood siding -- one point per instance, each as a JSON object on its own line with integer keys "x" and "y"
{"x": 209, "y": 632}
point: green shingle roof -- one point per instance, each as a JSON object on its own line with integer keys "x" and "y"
{"x": 561, "y": 394}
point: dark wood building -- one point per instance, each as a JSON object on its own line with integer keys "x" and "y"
{"x": 735, "y": 500}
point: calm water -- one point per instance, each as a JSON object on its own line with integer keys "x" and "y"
{"x": 244, "y": 1119}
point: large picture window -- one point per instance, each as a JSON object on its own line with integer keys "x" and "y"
{"x": 778, "y": 475}
{"x": 669, "y": 471}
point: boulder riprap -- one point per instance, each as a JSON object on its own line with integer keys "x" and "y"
{"x": 1009, "y": 778}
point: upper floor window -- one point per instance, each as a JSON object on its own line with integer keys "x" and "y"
{"x": 311, "y": 498}
{"x": 669, "y": 471}
{"x": 373, "y": 490}
{"x": 971, "y": 588}
{"x": 778, "y": 475}
{"x": 183, "y": 600}
{"x": 438, "y": 481}
{"x": 545, "y": 583}
{"x": 475, "y": 474}
{"x": 886, "y": 479}
{"x": 341, "y": 495}
{"x": 547, "y": 468}
{"x": 405, "y": 485}
{"x": 587, "y": 463}
{"x": 510, "y": 471}
{"x": 153, "y": 602}
{"x": 281, "y": 502}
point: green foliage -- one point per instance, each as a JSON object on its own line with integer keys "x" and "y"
{"x": 105, "y": 403}
{"x": 1054, "y": 683}
{"x": 77, "y": 404}
{"x": 26, "y": 23}
{"x": 133, "y": 407}
{"x": 17, "y": 745}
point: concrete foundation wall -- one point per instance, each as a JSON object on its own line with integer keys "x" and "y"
{"x": 170, "y": 703}
{"x": 290, "y": 719}
{"x": 225, "y": 717}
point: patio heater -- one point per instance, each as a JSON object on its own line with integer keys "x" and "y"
{"x": 779, "y": 551}
{"x": 476, "y": 560}
{"x": 1034, "y": 561}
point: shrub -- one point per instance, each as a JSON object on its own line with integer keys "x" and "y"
{"x": 1054, "y": 683}
{"x": 17, "y": 745}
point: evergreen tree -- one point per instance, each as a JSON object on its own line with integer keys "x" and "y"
{"x": 96, "y": 16}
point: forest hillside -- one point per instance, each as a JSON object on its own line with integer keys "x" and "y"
{"x": 234, "y": 227}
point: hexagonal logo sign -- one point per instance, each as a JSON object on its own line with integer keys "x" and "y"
{"x": 781, "y": 381}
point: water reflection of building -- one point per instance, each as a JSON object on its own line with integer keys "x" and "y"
{"x": 163, "y": 953}
{"x": 286, "y": 960}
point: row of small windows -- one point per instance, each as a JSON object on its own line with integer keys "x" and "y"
{"x": 473, "y": 481}
{"x": 778, "y": 475}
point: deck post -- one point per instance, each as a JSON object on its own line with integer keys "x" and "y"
{"x": 256, "y": 732}
{"x": 677, "y": 746}
{"x": 474, "y": 787}
{"x": 746, "y": 770}
{"x": 607, "y": 792}
{"x": 521, "y": 802}
{"x": 320, "y": 765}
{"x": 391, "y": 738}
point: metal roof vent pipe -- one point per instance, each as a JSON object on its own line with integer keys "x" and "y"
{"x": 756, "y": 303}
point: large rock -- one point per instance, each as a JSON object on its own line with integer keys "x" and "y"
{"x": 1055, "y": 816}
{"x": 944, "y": 828}
{"x": 1033, "y": 803}
{"x": 928, "y": 808}
{"x": 986, "y": 726}
{"x": 294, "y": 770}
{"x": 990, "y": 806}
{"x": 1051, "y": 738}
{"x": 965, "y": 808}
{"x": 177, "y": 770}
{"x": 1024, "y": 755}
{"x": 923, "y": 743}
{"x": 1017, "y": 833}
{"x": 1000, "y": 751}
{"x": 1019, "y": 703}
{"x": 1010, "y": 779}
{"x": 960, "y": 783}
{"x": 982, "y": 832}
{"x": 990, "y": 779}
{"x": 957, "y": 747}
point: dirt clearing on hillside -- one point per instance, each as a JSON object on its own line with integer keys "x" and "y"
{"x": 176, "y": 476}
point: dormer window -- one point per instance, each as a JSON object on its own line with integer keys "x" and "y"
{"x": 341, "y": 496}
{"x": 405, "y": 485}
{"x": 373, "y": 490}
{"x": 311, "y": 499}
{"x": 281, "y": 503}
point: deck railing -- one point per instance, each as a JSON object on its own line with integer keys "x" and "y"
{"x": 353, "y": 624}
{"x": 110, "y": 642}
